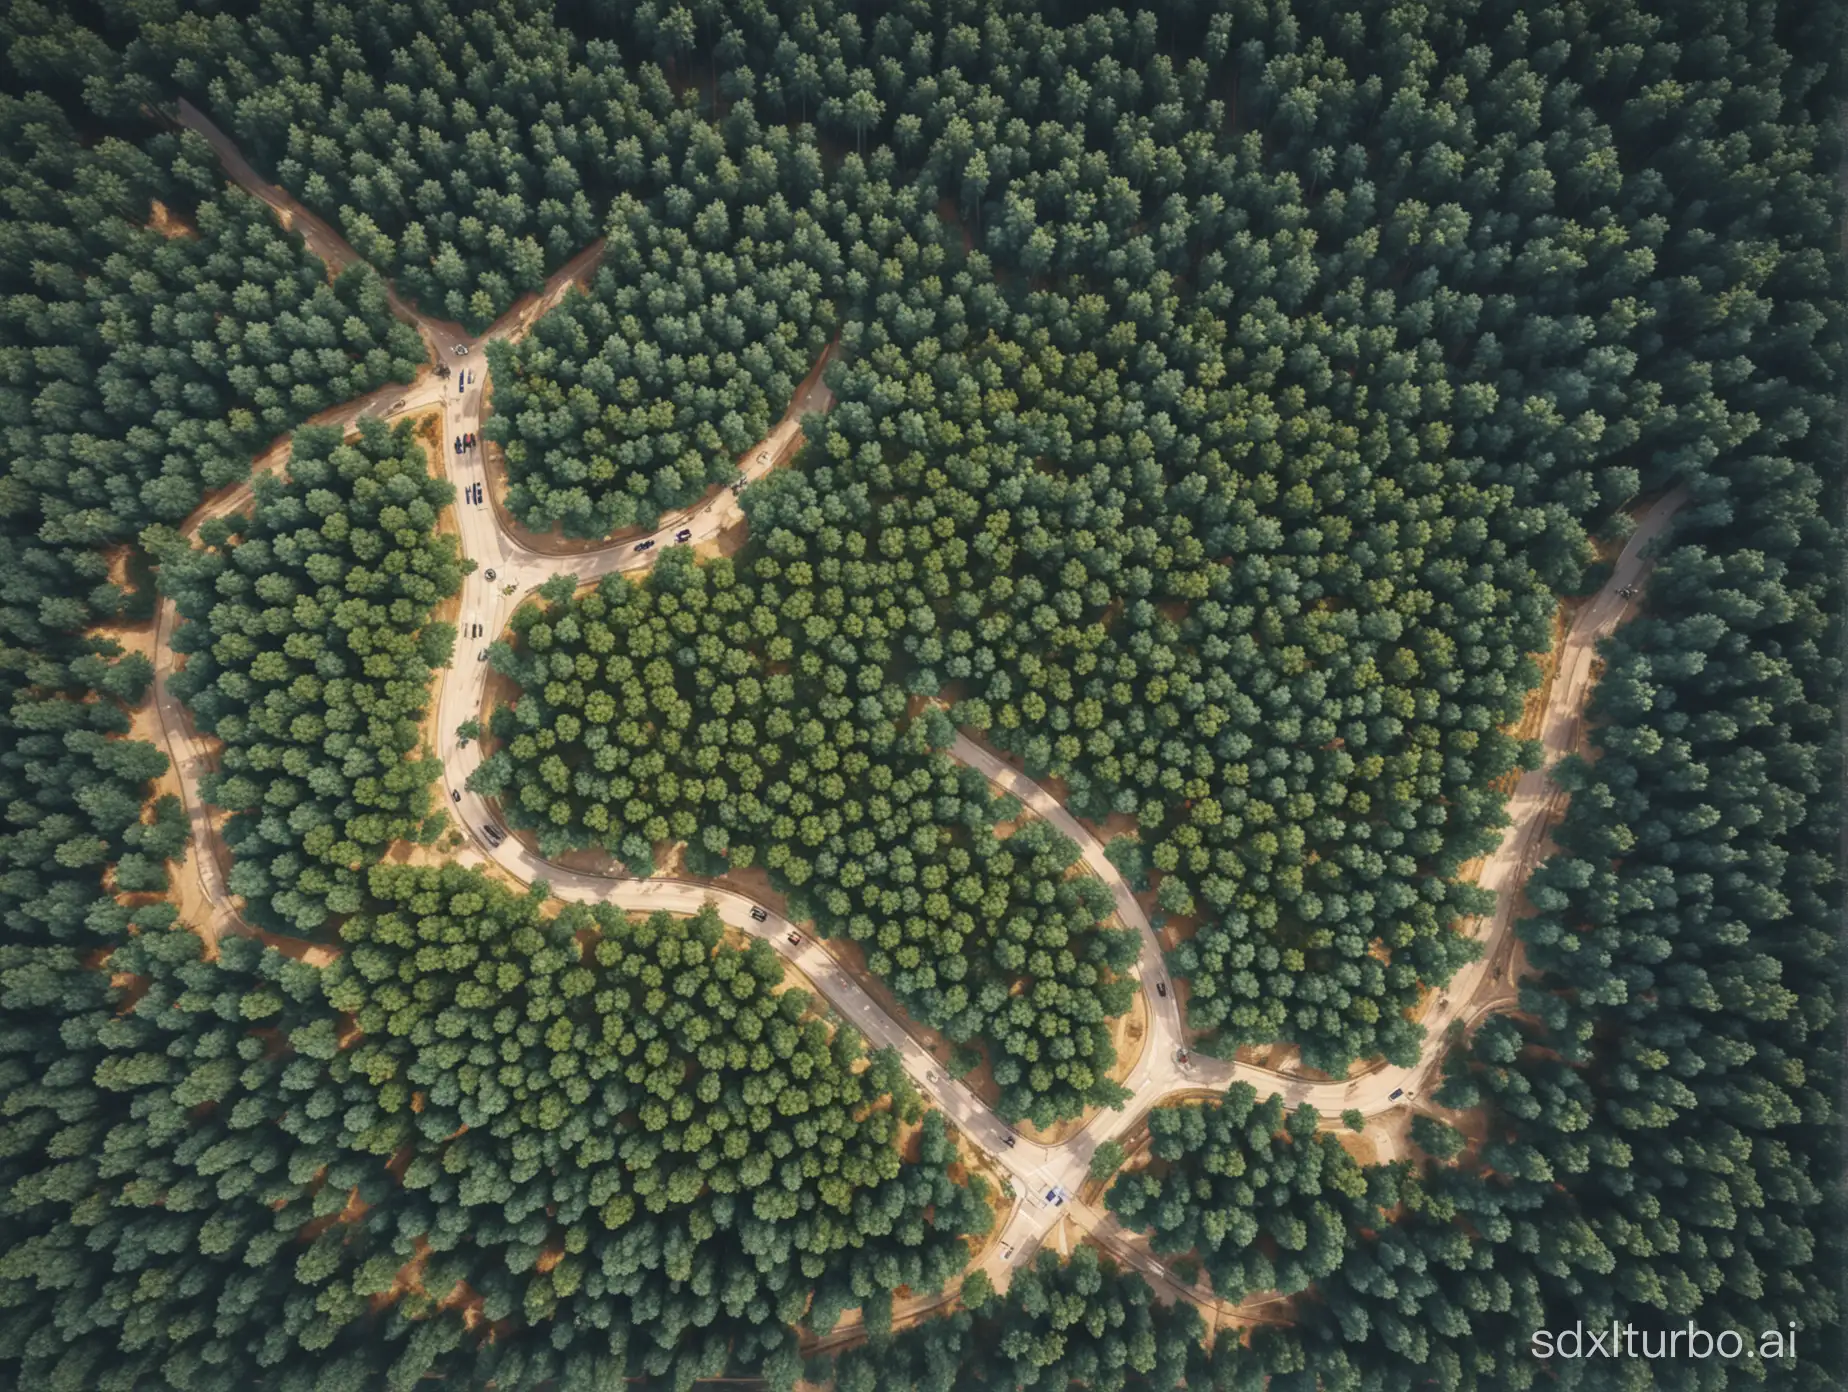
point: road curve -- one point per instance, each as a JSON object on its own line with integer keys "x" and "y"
{"x": 508, "y": 571}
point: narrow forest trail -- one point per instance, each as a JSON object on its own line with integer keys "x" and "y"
{"x": 508, "y": 572}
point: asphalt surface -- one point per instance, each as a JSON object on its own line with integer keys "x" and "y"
{"x": 506, "y": 574}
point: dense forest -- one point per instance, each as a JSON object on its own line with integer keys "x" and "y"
{"x": 634, "y": 398}
{"x": 650, "y": 712}
{"x": 1239, "y": 1181}
{"x": 309, "y": 651}
{"x": 1080, "y": 1323}
{"x": 1225, "y": 395}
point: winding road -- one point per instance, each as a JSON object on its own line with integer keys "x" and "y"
{"x": 508, "y": 571}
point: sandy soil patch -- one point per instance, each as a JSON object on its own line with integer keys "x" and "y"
{"x": 163, "y": 220}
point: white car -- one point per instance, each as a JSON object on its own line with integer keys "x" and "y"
{"x": 461, "y": 350}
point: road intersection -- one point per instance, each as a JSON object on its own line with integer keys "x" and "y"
{"x": 508, "y": 571}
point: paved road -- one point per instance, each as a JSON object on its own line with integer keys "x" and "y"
{"x": 508, "y": 571}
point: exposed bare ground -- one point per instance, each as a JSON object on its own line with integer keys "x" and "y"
{"x": 161, "y": 219}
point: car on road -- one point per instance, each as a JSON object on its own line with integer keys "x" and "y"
{"x": 1007, "y": 1251}
{"x": 1055, "y": 1196}
{"x": 1181, "y": 1056}
{"x": 795, "y": 940}
{"x": 685, "y": 534}
{"x": 1161, "y": 989}
{"x": 1158, "y": 1268}
{"x": 493, "y": 833}
{"x": 462, "y": 743}
{"x": 645, "y": 545}
{"x": 930, "y": 1075}
{"x": 1010, "y": 1140}
{"x": 482, "y": 656}
{"x": 454, "y": 796}
{"x": 758, "y": 915}
{"x": 461, "y": 350}
{"x": 1395, "y": 1094}
{"x": 397, "y": 405}
{"x": 487, "y": 575}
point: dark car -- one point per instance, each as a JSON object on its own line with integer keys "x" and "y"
{"x": 454, "y": 796}
{"x": 1395, "y": 1094}
{"x": 1010, "y": 1141}
{"x": 758, "y": 915}
{"x": 482, "y": 656}
{"x": 795, "y": 939}
{"x": 645, "y": 545}
{"x": 487, "y": 575}
{"x": 684, "y": 534}
{"x": 1161, "y": 988}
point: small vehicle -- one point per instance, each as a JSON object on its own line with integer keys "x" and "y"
{"x": 1010, "y": 1141}
{"x": 488, "y": 575}
{"x": 795, "y": 939}
{"x": 458, "y": 444}
{"x": 1395, "y": 1094}
{"x": 462, "y": 743}
{"x": 685, "y": 534}
{"x": 397, "y": 405}
{"x": 454, "y": 796}
{"x": 482, "y": 656}
{"x": 930, "y": 1075}
{"x": 645, "y": 545}
{"x": 1055, "y": 1196}
{"x": 493, "y": 834}
{"x": 1181, "y": 1056}
{"x": 461, "y": 350}
{"x": 758, "y": 915}
{"x": 1161, "y": 989}
{"x": 1158, "y": 1268}
{"x": 461, "y": 383}
{"x": 1007, "y": 1251}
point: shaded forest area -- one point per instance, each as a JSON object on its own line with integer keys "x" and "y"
{"x": 1224, "y": 394}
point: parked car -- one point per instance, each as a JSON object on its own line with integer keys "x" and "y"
{"x": 645, "y": 545}
{"x": 454, "y": 796}
{"x": 493, "y": 834}
{"x": 1055, "y": 1196}
{"x": 488, "y": 575}
{"x": 462, "y": 743}
{"x": 1007, "y": 1251}
{"x": 795, "y": 939}
{"x": 1010, "y": 1140}
{"x": 1181, "y": 1056}
{"x": 461, "y": 350}
{"x": 397, "y": 405}
{"x": 930, "y": 1075}
{"x": 482, "y": 656}
{"x": 1395, "y": 1094}
{"x": 685, "y": 534}
{"x": 758, "y": 915}
{"x": 1161, "y": 988}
